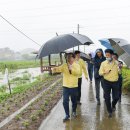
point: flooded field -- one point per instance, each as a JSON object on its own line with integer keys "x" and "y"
{"x": 21, "y": 76}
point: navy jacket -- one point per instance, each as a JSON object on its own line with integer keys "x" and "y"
{"x": 97, "y": 63}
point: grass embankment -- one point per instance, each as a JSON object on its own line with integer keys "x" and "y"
{"x": 14, "y": 65}
{"x": 126, "y": 78}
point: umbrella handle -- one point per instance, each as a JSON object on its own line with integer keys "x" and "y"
{"x": 68, "y": 66}
{"x": 70, "y": 71}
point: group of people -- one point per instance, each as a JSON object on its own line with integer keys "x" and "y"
{"x": 107, "y": 73}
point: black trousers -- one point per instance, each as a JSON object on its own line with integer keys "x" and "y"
{"x": 108, "y": 87}
{"x": 72, "y": 93}
{"x": 79, "y": 89}
{"x": 120, "y": 86}
{"x": 98, "y": 81}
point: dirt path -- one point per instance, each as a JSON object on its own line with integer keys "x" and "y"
{"x": 90, "y": 116}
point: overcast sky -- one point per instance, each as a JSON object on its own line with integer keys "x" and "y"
{"x": 41, "y": 19}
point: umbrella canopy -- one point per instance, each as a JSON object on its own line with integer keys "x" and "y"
{"x": 63, "y": 42}
{"x": 106, "y": 43}
{"x": 85, "y": 57}
{"x": 119, "y": 45}
{"x": 122, "y": 48}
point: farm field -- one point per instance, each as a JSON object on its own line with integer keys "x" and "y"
{"x": 22, "y": 94}
{"x": 15, "y": 65}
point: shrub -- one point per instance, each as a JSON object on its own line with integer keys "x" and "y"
{"x": 33, "y": 117}
{"x": 18, "y": 117}
{"x": 39, "y": 112}
{"x": 25, "y": 123}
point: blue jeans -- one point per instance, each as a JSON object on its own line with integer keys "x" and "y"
{"x": 108, "y": 86}
{"x": 69, "y": 92}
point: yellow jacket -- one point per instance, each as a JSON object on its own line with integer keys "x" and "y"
{"x": 113, "y": 75}
{"x": 69, "y": 80}
{"x": 82, "y": 68}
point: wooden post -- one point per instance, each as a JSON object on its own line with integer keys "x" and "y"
{"x": 49, "y": 58}
{"x": 41, "y": 63}
{"x": 61, "y": 60}
{"x": 9, "y": 87}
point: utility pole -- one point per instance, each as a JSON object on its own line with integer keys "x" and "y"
{"x": 84, "y": 48}
{"x": 78, "y": 28}
{"x": 78, "y": 32}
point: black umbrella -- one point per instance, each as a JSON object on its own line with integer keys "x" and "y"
{"x": 122, "y": 48}
{"x": 63, "y": 42}
{"x": 83, "y": 55}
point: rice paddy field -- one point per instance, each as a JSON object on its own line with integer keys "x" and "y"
{"x": 15, "y": 65}
{"x": 39, "y": 92}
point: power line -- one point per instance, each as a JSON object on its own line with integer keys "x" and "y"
{"x": 19, "y": 30}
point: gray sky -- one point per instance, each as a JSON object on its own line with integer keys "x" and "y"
{"x": 41, "y": 19}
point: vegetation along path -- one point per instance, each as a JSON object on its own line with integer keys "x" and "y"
{"x": 20, "y": 101}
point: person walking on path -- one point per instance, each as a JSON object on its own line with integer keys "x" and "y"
{"x": 110, "y": 72}
{"x": 120, "y": 65}
{"x": 90, "y": 68}
{"x": 98, "y": 59}
{"x": 71, "y": 72}
{"x": 83, "y": 69}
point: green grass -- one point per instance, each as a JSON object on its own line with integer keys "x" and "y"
{"x": 126, "y": 78}
{"x": 14, "y": 65}
{"x": 2, "y": 89}
{"x": 24, "y": 87}
{"x": 21, "y": 80}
